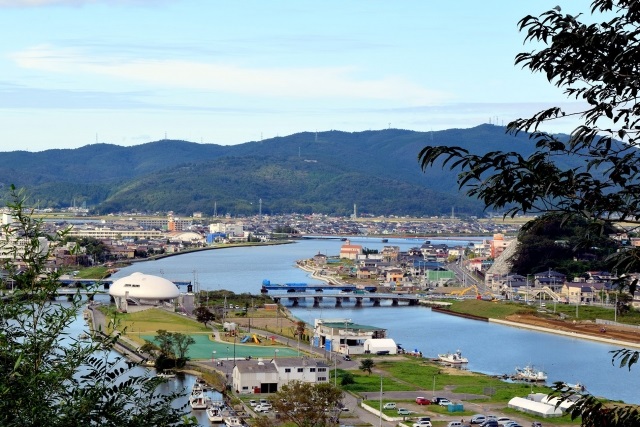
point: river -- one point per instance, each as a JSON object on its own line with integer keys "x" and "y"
{"x": 490, "y": 348}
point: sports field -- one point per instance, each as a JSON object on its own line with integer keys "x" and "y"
{"x": 205, "y": 346}
{"x": 142, "y": 325}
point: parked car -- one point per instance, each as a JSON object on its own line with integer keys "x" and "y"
{"x": 512, "y": 424}
{"x": 489, "y": 423}
{"x": 478, "y": 419}
{"x": 422, "y": 424}
{"x": 536, "y": 424}
{"x": 389, "y": 405}
{"x": 437, "y": 400}
{"x": 423, "y": 419}
{"x": 347, "y": 357}
{"x": 422, "y": 401}
{"x": 454, "y": 424}
{"x": 444, "y": 402}
{"x": 253, "y": 403}
{"x": 404, "y": 411}
{"x": 503, "y": 420}
{"x": 261, "y": 408}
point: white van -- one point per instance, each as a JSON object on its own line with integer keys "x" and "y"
{"x": 389, "y": 405}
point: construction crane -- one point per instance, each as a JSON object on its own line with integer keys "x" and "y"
{"x": 472, "y": 288}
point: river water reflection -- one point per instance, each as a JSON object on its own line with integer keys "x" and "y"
{"x": 490, "y": 348}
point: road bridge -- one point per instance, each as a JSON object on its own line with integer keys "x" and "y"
{"x": 340, "y": 297}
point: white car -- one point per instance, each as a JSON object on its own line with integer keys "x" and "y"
{"x": 253, "y": 403}
{"x": 389, "y": 405}
{"x": 422, "y": 424}
{"x": 444, "y": 402}
{"x": 262, "y": 408}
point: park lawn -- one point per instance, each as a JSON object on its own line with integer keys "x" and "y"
{"x": 154, "y": 319}
{"x": 368, "y": 383}
{"x": 99, "y": 272}
{"x": 418, "y": 374}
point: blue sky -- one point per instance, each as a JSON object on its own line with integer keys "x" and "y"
{"x": 127, "y": 72}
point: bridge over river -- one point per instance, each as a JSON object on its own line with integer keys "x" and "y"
{"x": 295, "y": 292}
{"x": 341, "y": 297}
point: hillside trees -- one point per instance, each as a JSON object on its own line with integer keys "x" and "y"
{"x": 597, "y": 64}
{"x": 47, "y": 375}
{"x": 561, "y": 245}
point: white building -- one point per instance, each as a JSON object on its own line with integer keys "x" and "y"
{"x": 142, "y": 289}
{"x": 236, "y": 229}
{"x": 344, "y": 336}
{"x": 260, "y": 376}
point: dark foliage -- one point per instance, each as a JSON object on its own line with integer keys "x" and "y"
{"x": 550, "y": 242}
{"x": 596, "y": 61}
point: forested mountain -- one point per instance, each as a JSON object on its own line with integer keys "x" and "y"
{"x": 324, "y": 172}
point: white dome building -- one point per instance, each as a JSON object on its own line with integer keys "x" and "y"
{"x": 142, "y": 289}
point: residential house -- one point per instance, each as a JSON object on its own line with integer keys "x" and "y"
{"x": 320, "y": 259}
{"x": 390, "y": 253}
{"x": 550, "y": 278}
{"x": 350, "y": 251}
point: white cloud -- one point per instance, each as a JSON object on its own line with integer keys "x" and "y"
{"x": 310, "y": 82}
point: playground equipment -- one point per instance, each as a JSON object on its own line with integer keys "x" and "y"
{"x": 245, "y": 339}
{"x": 256, "y": 339}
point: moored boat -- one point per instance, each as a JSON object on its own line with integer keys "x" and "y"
{"x": 199, "y": 401}
{"x": 233, "y": 422}
{"x": 214, "y": 413}
{"x": 530, "y": 373}
{"x": 166, "y": 374}
{"x": 576, "y": 386}
{"x": 453, "y": 358}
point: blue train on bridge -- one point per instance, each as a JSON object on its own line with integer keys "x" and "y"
{"x": 306, "y": 287}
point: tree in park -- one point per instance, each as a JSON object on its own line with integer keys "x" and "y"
{"x": 596, "y": 62}
{"x": 307, "y": 404}
{"x": 173, "y": 348}
{"x": 204, "y": 315}
{"x": 300, "y": 328}
{"x": 48, "y": 376}
{"x": 366, "y": 365}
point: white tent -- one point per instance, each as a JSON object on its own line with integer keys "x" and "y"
{"x": 380, "y": 346}
{"x": 533, "y": 407}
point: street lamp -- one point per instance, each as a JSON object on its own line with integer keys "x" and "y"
{"x": 275, "y": 353}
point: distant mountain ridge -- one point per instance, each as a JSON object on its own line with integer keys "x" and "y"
{"x": 324, "y": 172}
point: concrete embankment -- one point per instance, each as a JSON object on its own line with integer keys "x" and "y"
{"x": 540, "y": 328}
{"x": 618, "y": 343}
{"x": 465, "y": 315}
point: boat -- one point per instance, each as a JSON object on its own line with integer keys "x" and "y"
{"x": 233, "y": 422}
{"x": 576, "y": 386}
{"x": 453, "y": 358}
{"x": 529, "y": 373}
{"x": 214, "y": 413}
{"x": 385, "y": 240}
{"x": 197, "y": 388}
{"x": 199, "y": 401}
{"x": 166, "y": 374}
